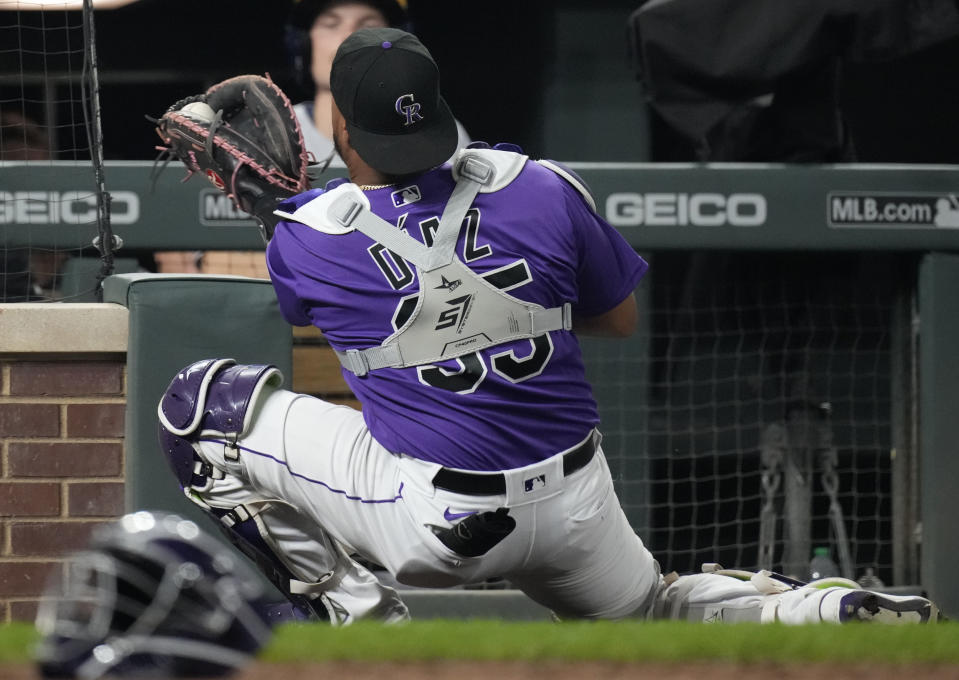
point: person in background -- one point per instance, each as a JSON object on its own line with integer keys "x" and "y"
{"x": 314, "y": 31}
{"x": 27, "y": 274}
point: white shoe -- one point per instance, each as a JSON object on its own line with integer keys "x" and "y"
{"x": 831, "y": 603}
{"x": 838, "y": 600}
{"x": 866, "y": 605}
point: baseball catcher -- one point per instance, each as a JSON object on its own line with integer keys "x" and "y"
{"x": 450, "y": 292}
{"x": 243, "y": 135}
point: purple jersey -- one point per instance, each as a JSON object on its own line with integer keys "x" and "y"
{"x": 503, "y": 407}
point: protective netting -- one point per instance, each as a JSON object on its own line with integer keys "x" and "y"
{"x": 47, "y": 92}
{"x": 759, "y": 415}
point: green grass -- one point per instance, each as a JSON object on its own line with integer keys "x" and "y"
{"x": 16, "y": 640}
{"x": 658, "y": 641}
{"x": 618, "y": 641}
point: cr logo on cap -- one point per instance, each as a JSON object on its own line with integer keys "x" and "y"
{"x": 410, "y": 111}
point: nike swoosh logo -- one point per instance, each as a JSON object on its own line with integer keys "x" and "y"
{"x": 450, "y": 516}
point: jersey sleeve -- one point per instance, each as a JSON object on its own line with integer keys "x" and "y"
{"x": 609, "y": 269}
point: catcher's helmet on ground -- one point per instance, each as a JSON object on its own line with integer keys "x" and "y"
{"x": 152, "y": 596}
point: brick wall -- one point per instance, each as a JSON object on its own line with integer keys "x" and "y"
{"x": 62, "y": 408}
{"x": 61, "y": 466}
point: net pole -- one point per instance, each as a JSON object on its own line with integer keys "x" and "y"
{"x": 106, "y": 242}
{"x": 904, "y": 420}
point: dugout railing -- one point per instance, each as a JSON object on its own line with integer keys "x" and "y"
{"x": 792, "y": 383}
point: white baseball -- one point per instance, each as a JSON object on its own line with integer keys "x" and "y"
{"x": 200, "y": 111}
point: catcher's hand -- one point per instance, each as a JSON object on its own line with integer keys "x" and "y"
{"x": 244, "y": 136}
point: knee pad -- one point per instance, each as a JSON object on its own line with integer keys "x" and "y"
{"x": 210, "y": 397}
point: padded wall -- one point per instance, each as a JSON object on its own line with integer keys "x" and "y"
{"x": 938, "y": 440}
{"x": 175, "y": 320}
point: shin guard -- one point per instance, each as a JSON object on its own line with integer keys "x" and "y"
{"x": 216, "y": 396}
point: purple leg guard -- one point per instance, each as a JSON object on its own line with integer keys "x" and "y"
{"x": 217, "y": 395}
{"x": 246, "y": 537}
{"x": 210, "y": 395}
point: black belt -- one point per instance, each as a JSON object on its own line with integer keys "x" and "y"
{"x": 480, "y": 484}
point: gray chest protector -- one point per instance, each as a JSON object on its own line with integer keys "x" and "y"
{"x": 457, "y": 310}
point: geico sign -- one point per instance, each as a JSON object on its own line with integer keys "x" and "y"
{"x": 670, "y": 210}
{"x": 65, "y": 207}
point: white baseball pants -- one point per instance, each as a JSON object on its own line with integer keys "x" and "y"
{"x": 311, "y": 472}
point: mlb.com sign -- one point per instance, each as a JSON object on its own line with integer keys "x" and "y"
{"x": 218, "y": 209}
{"x": 681, "y": 209}
{"x": 879, "y": 209}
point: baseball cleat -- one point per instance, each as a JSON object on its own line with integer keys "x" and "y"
{"x": 865, "y": 605}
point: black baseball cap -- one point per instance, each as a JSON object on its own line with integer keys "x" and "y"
{"x": 387, "y": 86}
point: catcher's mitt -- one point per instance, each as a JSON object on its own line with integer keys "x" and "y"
{"x": 243, "y": 135}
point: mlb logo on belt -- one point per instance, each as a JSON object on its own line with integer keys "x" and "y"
{"x": 534, "y": 483}
{"x": 406, "y": 195}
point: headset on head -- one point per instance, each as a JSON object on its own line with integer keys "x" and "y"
{"x": 296, "y": 32}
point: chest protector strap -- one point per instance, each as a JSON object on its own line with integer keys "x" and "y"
{"x": 457, "y": 311}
